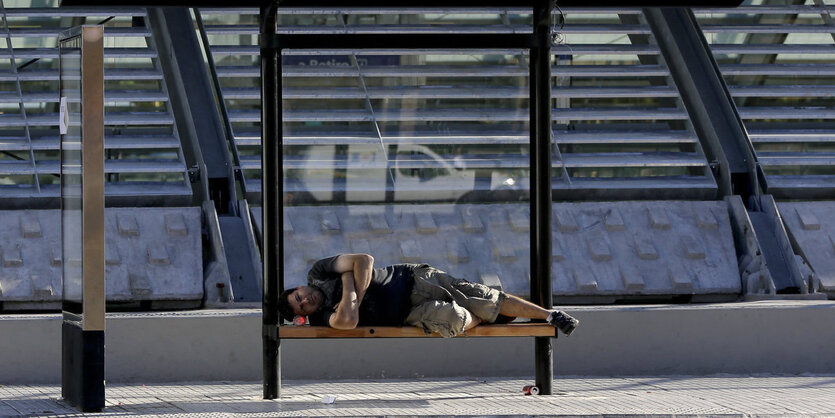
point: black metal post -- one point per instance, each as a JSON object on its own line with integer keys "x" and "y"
{"x": 271, "y": 199}
{"x": 540, "y": 125}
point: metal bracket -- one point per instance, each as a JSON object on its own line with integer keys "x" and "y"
{"x": 714, "y": 167}
{"x": 269, "y": 331}
{"x": 194, "y": 174}
{"x": 269, "y": 42}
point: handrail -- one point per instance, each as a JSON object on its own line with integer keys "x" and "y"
{"x": 224, "y": 111}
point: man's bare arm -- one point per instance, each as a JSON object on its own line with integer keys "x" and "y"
{"x": 346, "y": 315}
{"x": 362, "y": 267}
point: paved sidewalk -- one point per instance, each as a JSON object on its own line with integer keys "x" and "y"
{"x": 671, "y": 395}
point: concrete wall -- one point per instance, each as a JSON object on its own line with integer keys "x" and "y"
{"x": 753, "y": 337}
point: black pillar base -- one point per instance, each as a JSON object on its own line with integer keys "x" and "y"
{"x": 82, "y": 367}
{"x": 544, "y": 354}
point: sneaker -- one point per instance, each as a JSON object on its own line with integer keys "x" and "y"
{"x": 563, "y": 322}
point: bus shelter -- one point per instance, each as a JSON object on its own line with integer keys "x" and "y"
{"x": 537, "y": 42}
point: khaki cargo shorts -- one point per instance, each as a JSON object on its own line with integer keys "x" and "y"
{"x": 444, "y": 304}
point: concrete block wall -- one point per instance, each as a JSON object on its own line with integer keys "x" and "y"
{"x": 811, "y": 226}
{"x": 601, "y": 252}
{"x": 152, "y": 254}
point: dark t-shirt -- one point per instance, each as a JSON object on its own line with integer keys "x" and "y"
{"x": 386, "y": 302}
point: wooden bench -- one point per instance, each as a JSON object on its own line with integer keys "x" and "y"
{"x": 525, "y": 329}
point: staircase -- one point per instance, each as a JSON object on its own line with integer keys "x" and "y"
{"x": 144, "y": 159}
{"x": 779, "y": 64}
{"x": 399, "y": 125}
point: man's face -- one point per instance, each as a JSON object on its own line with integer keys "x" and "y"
{"x": 305, "y": 300}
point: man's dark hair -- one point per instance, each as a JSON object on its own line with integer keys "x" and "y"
{"x": 284, "y": 308}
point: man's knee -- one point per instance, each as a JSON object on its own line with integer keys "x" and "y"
{"x": 471, "y": 289}
{"x": 484, "y": 302}
{"x": 445, "y": 318}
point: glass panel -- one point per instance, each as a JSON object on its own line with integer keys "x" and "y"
{"x": 71, "y": 180}
{"x": 405, "y": 127}
{"x": 233, "y": 38}
{"x": 619, "y": 121}
{"x": 412, "y": 156}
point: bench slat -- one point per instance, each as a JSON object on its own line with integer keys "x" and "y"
{"x": 495, "y": 330}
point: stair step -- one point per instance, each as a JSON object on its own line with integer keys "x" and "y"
{"x": 109, "y": 31}
{"x": 769, "y": 9}
{"x": 126, "y": 167}
{"x": 254, "y": 50}
{"x": 442, "y": 92}
{"x": 417, "y": 10}
{"x": 787, "y": 113}
{"x": 796, "y": 159}
{"x": 790, "y": 70}
{"x": 618, "y": 114}
{"x": 793, "y": 184}
{"x": 150, "y": 142}
{"x": 473, "y": 115}
{"x": 110, "y": 74}
{"x": 669, "y": 183}
{"x": 51, "y": 119}
{"x": 579, "y": 28}
{"x": 764, "y": 28}
{"x": 772, "y": 49}
{"x": 783, "y": 91}
{"x": 492, "y": 138}
{"x": 620, "y": 71}
{"x": 623, "y": 159}
{"x": 624, "y": 137}
{"x": 52, "y": 53}
{"x": 73, "y": 11}
{"x": 597, "y": 160}
{"x": 109, "y": 95}
{"x": 791, "y": 135}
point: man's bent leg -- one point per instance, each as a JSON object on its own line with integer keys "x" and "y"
{"x": 518, "y": 307}
{"x": 472, "y": 321}
{"x": 482, "y": 301}
{"x": 446, "y": 318}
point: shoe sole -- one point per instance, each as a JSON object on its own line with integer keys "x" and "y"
{"x": 571, "y": 329}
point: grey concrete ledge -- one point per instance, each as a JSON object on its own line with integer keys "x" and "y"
{"x": 784, "y": 337}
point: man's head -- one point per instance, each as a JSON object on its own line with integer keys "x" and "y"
{"x": 301, "y": 301}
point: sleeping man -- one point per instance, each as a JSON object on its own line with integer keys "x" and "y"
{"x": 345, "y": 291}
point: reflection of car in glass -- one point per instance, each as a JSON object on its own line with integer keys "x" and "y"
{"x": 422, "y": 174}
{"x": 364, "y": 173}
